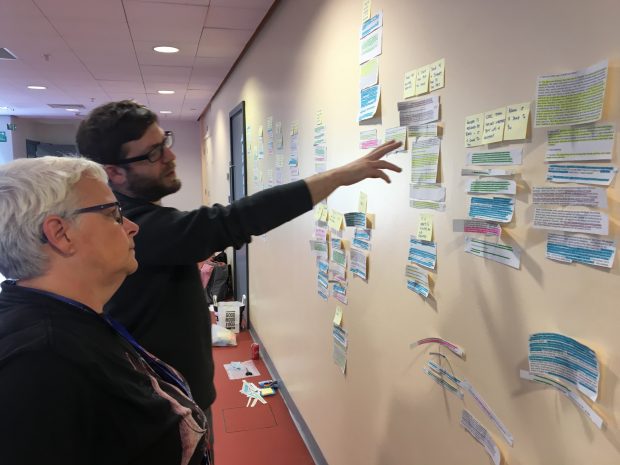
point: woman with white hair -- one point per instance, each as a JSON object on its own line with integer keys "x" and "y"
{"x": 75, "y": 387}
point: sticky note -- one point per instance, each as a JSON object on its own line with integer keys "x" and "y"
{"x": 409, "y": 84}
{"x": 362, "y": 204}
{"x": 425, "y": 228}
{"x": 335, "y": 220}
{"x": 338, "y": 316}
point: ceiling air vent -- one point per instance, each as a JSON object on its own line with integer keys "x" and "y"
{"x": 78, "y": 106}
{"x": 6, "y": 54}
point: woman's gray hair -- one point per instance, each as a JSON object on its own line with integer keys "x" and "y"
{"x": 31, "y": 189}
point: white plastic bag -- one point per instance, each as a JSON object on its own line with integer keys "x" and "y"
{"x": 221, "y": 336}
{"x": 228, "y": 315}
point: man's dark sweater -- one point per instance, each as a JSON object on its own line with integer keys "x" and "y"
{"x": 163, "y": 304}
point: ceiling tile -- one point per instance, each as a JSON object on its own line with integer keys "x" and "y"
{"x": 180, "y": 2}
{"x": 175, "y": 74}
{"x": 165, "y": 22}
{"x": 223, "y": 42}
{"x": 121, "y": 86}
{"x": 82, "y": 10}
{"x": 265, "y": 4}
{"x": 234, "y": 18}
{"x": 137, "y": 96}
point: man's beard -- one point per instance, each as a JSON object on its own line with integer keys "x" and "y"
{"x": 151, "y": 190}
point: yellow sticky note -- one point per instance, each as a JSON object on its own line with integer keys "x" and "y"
{"x": 425, "y": 228}
{"x": 517, "y": 117}
{"x": 369, "y": 73}
{"x": 335, "y": 220}
{"x": 324, "y": 214}
{"x": 421, "y": 80}
{"x": 319, "y": 118}
{"x": 338, "y": 316}
{"x": 409, "y": 85}
{"x": 494, "y": 122}
{"x": 366, "y": 10}
{"x": 318, "y": 211}
{"x": 362, "y": 204}
{"x": 437, "y": 74}
{"x": 260, "y": 131}
{"x": 473, "y": 130}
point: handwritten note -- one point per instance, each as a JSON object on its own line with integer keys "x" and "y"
{"x": 409, "y": 84}
{"x": 362, "y": 203}
{"x": 366, "y": 10}
{"x": 422, "y": 79}
{"x": 437, "y": 74}
{"x": 335, "y": 220}
{"x": 517, "y": 118}
{"x": 494, "y": 122}
{"x": 338, "y": 316}
{"x": 425, "y": 227}
{"x": 474, "y": 125}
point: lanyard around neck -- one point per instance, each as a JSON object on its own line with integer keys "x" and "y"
{"x": 159, "y": 367}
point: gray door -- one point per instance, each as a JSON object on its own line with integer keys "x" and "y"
{"x": 238, "y": 189}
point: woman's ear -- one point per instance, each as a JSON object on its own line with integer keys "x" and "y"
{"x": 56, "y": 234}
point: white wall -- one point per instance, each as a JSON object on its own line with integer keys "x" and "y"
{"x": 52, "y": 131}
{"x": 385, "y": 411}
{"x": 187, "y": 150}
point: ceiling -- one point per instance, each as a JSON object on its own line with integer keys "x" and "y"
{"x": 88, "y": 52}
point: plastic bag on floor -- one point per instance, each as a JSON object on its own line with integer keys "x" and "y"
{"x": 221, "y": 336}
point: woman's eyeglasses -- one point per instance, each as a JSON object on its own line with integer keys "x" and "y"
{"x": 117, "y": 213}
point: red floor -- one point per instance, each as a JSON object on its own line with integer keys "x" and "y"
{"x": 260, "y": 435}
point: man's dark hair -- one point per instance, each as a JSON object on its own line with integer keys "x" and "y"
{"x": 100, "y": 136}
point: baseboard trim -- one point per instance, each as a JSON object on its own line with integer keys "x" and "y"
{"x": 299, "y": 421}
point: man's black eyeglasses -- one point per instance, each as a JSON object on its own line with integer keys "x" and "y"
{"x": 117, "y": 214}
{"x": 154, "y": 154}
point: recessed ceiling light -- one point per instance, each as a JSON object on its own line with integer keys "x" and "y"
{"x": 165, "y": 92}
{"x": 165, "y": 112}
{"x": 37, "y": 87}
{"x": 165, "y": 49}
{"x": 72, "y": 109}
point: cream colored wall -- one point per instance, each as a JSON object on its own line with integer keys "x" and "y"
{"x": 385, "y": 410}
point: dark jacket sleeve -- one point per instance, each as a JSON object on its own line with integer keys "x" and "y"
{"x": 46, "y": 403}
{"x": 171, "y": 237}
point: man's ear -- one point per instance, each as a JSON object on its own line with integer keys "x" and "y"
{"x": 116, "y": 174}
{"x": 56, "y": 235}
